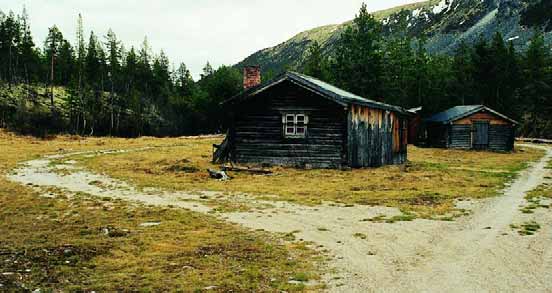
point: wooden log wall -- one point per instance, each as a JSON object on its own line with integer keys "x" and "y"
{"x": 501, "y": 138}
{"x": 459, "y": 134}
{"x": 258, "y": 134}
{"x": 501, "y": 132}
{"x": 375, "y": 137}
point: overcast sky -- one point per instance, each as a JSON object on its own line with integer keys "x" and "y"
{"x": 193, "y": 31}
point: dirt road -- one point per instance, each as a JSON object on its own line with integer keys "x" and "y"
{"x": 476, "y": 253}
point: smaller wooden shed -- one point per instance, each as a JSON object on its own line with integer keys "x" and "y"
{"x": 471, "y": 127}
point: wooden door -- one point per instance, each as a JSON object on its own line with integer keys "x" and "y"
{"x": 480, "y": 135}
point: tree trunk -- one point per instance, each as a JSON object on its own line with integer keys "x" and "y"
{"x": 10, "y": 66}
{"x": 52, "y": 82}
{"x": 111, "y": 106}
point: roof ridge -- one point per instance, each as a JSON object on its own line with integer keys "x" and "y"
{"x": 320, "y": 87}
{"x": 354, "y": 96}
{"x": 461, "y": 111}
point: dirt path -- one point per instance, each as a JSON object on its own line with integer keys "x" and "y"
{"x": 477, "y": 253}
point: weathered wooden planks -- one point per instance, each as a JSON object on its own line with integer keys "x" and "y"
{"x": 259, "y": 134}
{"x": 375, "y": 137}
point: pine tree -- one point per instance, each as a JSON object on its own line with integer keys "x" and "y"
{"x": 53, "y": 44}
{"x": 537, "y": 90}
{"x": 207, "y": 70}
{"x": 358, "y": 60}
{"x": 463, "y": 69}
{"x": 184, "y": 81}
{"x": 78, "y": 103}
{"x": 10, "y": 36}
{"x": 114, "y": 71}
{"x": 92, "y": 62}
{"x": 398, "y": 67}
{"x": 316, "y": 65}
{"x": 499, "y": 73}
{"x": 483, "y": 63}
{"x": 421, "y": 61}
{"x": 30, "y": 59}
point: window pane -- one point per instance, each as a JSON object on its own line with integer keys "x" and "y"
{"x": 300, "y": 118}
{"x": 290, "y": 124}
{"x": 290, "y": 118}
{"x": 300, "y": 130}
{"x": 290, "y": 130}
{"x": 300, "y": 124}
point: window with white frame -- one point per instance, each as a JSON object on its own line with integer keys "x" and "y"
{"x": 295, "y": 125}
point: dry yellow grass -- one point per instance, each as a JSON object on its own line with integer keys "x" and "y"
{"x": 60, "y": 244}
{"x": 431, "y": 180}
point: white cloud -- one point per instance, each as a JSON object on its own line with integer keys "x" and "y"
{"x": 193, "y": 31}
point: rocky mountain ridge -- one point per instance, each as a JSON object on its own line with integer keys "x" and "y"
{"x": 443, "y": 23}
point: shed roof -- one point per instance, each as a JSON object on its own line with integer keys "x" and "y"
{"x": 319, "y": 87}
{"x": 459, "y": 112}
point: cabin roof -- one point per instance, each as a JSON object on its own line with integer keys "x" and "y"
{"x": 317, "y": 86}
{"x": 459, "y": 112}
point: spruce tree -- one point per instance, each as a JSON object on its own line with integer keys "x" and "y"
{"x": 358, "y": 60}
{"x": 114, "y": 71}
{"x": 463, "y": 69}
{"x": 538, "y": 82}
{"x": 207, "y": 70}
{"x": 184, "y": 81}
{"x": 30, "y": 59}
{"x": 53, "y": 44}
{"x": 316, "y": 65}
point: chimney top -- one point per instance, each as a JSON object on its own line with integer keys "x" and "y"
{"x": 251, "y": 76}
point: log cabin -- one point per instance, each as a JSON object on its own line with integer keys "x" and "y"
{"x": 299, "y": 121}
{"x": 471, "y": 127}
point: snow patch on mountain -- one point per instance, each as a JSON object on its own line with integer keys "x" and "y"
{"x": 444, "y": 5}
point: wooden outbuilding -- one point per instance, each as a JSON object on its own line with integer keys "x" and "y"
{"x": 414, "y": 124}
{"x": 471, "y": 127}
{"x": 300, "y": 121}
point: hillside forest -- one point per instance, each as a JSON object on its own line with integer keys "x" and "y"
{"x": 98, "y": 86}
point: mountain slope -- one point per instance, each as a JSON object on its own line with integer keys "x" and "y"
{"x": 445, "y": 23}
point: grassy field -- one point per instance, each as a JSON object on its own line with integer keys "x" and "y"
{"x": 84, "y": 244}
{"x": 427, "y": 186}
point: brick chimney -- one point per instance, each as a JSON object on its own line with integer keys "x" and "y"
{"x": 251, "y": 76}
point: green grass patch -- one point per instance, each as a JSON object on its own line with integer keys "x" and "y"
{"x": 528, "y": 228}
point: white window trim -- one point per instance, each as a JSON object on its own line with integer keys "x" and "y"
{"x": 295, "y": 116}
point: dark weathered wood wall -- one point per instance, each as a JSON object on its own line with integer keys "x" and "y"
{"x": 376, "y": 137}
{"x": 258, "y": 136}
{"x": 501, "y": 138}
{"x": 437, "y": 135}
{"x": 460, "y": 136}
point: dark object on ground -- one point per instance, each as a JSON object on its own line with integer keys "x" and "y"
{"x": 220, "y": 175}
